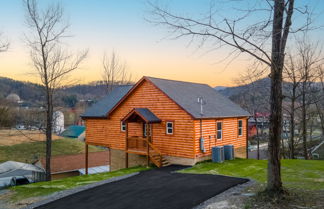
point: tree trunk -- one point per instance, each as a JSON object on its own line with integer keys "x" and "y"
{"x": 274, "y": 170}
{"x": 304, "y": 122}
{"x": 49, "y": 120}
{"x": 274, "y": 183}
{"x": 283, "y": 148}
{"x": 292, "y": 126}
{"x": 258, "y": 138}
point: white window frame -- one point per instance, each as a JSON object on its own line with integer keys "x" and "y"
{"x": 122, "y": 126}
{"x": 240, "y": 127}
{"x": 221, "y": 130}
{"x": 167, "y": 128}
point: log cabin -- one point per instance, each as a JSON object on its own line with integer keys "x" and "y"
{"x": 165, "y": 122}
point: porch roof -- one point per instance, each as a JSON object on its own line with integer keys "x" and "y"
{"x": 144, "y": 113}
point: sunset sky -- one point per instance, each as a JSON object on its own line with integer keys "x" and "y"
{"x": 103, "y": 26}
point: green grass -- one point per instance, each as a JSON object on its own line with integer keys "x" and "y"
{"x": 46, "y": 188}
{"x": 299, "y": 174}
{"x": 28, "y": 152}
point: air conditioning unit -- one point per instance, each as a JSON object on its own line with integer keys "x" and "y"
{"x": 218, "y": 154}
{"x": 229, "y": 152}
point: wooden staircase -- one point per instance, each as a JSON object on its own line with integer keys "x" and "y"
{"x": 156, "y": 157}
{"x": 143, "y": 146}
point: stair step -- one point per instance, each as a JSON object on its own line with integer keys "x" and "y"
{"x": 166, "y": 164}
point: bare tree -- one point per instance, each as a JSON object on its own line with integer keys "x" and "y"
{"x": 4, "y": 45}
{"x": 251, "y": 38}
{"x": 256, "y": 98}
{"x": 291, "y": 74}
{"x": 115, "y": 72}
{"x": 49, "y": 57}
{"x": 320, "y": 103}
{"x": 309, "y": 57}
{"x": 7, "y": 114}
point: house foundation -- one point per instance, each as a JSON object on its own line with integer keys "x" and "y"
{"x": 117, "y": 160}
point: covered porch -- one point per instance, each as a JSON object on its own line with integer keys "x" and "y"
{"x": 139, "y": 135}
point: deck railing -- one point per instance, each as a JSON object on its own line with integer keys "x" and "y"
{"x": 137, "y": 143}
{"x": 142, "y": 145}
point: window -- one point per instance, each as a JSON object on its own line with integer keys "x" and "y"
{"x": 144, "y": 130}
{"x": 240, "y": 127}
{"x": 122, "y": 126}
{"x": 169, "y": 127}
{"x": 219, "y": 130}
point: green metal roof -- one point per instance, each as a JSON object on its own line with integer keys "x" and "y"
{"x": 73, "y": 131}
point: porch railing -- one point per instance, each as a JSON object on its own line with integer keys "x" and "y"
{"x": 137, "y": 143}
{"x": 141, "y": 144}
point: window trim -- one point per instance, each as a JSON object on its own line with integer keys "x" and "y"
{"x": 221, "y": 130}
{"x": 122, "y": 126}
{"x": 166, "y": 127}
{"x": 240, "y": 127}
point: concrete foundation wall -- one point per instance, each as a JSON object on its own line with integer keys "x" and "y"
{"x": 117, "y": 159}
{"x": 180, "y": 160}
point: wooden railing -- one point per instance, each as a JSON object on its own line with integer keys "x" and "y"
{"x": 143, "y": 145}
{"x": 137, "y": 143}
{"x": 155, "y": 155}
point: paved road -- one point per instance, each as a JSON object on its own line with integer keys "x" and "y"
{"x": 153, "y": 189}
{"x": 263, "y": 154}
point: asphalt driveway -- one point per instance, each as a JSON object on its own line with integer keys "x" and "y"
{"x": 158, "y": 188}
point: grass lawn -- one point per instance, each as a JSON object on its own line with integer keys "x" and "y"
{"x": 45, "y": 188}
{"x": 299, "y": 174}
{"x": 29, "y": 151}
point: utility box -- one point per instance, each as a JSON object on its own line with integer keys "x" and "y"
{"x": 218, "y": 154}
{"x": 202, "y": 144}
{"x": 229, "y": 152}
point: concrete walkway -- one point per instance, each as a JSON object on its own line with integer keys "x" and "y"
{"x": 158, "y": 188}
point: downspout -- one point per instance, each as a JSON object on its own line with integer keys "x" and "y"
{"x": 202, "y": 140}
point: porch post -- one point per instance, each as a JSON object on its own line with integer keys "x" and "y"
{"x": 126, "y": 146}
{"x": 86, "y": 158}
{"x": 148, "y": 133}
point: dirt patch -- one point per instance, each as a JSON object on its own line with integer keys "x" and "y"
{"x": 297, "y": 198}
{"x": 13, "y": 136}
{"x": 7, "y": 203}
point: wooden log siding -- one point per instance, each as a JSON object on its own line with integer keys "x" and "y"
{"x": 229, "y": 134}
{"x": 106, "y": 132}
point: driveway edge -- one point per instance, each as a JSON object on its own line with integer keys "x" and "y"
{"x": 61, "y": 194}
{"x": 208, "y": 204}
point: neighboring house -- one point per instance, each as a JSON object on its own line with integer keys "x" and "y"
{"x": 252, "y": 130}
{"x": 58, "y": 122}
{"x": 63, "y": 166}
{"x": 16, "y": 173}
{"x": 74, "y": 131}
{"x": 257, "y": 123}
{"x": 165, "y": 121}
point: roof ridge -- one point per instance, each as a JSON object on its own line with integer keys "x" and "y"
{"x": 177, "y": 81}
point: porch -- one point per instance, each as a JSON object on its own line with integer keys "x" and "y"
{"x": 140, "y": 141}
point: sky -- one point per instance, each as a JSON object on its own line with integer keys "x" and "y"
{"x": 105, "y": 26}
